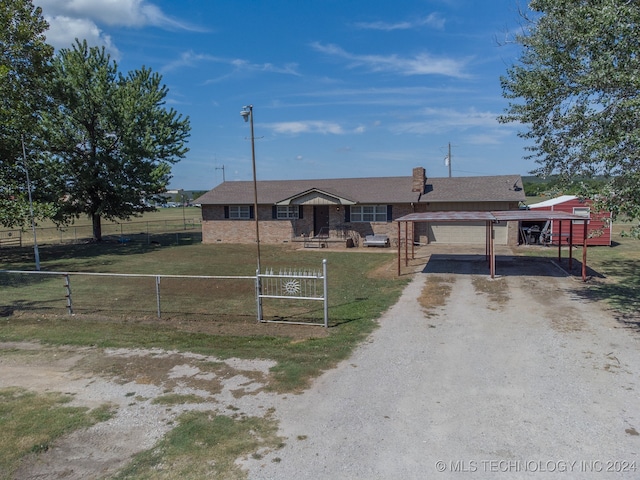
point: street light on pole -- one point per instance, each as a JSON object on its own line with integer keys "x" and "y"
{"x": 247, "y": 114}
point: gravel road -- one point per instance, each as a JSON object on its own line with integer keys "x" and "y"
{"x": 539, "y": 383}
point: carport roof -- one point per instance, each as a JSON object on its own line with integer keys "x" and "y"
{"x": 495, "y": 216}
{"x": 490, "y": 218}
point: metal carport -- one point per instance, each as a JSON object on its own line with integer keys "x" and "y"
{"x": 490, "y": 219}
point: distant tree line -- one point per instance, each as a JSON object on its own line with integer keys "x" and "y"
{"x": 95, "y": 141}
{"x": 555, "y": 185}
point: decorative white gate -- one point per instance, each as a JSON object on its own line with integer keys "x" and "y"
{"x": 293, "y": 284}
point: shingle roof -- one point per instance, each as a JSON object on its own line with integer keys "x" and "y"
{"x": 373, "y": 190}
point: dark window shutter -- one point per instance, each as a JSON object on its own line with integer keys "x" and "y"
{"x": 300, "y": 209}
{"x": 274, "y": 212}
{"x": 251, "y": 212}
{"x": 389, "y": 213}
{"x": 226, "y": 212}
{"x": 347, "y": 213}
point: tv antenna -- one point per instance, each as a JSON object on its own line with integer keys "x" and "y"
{"x": 221, "y": 168}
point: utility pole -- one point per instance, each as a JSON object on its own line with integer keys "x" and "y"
{"x": 447, "y": 160}
{"x": 36, "y": 252}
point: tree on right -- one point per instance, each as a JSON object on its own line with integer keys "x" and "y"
{"x": 575, "y": 89}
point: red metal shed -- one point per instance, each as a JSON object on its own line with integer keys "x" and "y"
{"x": 599, "y": 227}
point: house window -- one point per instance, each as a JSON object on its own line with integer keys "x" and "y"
{"x": 369, "y": 213}
{"x": 239, "y": 212}
{"x": 286, "y": 212}
{"x": 583, "y": 212}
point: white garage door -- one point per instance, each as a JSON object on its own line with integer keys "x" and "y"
{"x": 465, "y": 232}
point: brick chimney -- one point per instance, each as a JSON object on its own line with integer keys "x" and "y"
{"x": 419, "y": 180}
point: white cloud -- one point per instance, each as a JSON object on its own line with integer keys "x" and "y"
{"x": 71, "y": 19}
{"x": 244, "y": 65}
{"x": 443, "y": 120}
{"x": 421, "y": 64}
{"x": 64, "y": 30}
{"x": 192, "y": 59}
{"x": 432, "y": 20}
{"x": 311, "y": 126}
{"x": 491, "y": 138}
{"x": 128, "y": 13}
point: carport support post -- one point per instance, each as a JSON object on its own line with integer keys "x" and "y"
{"x": 571, "y": 246}
{"x": 399, "y": 248}
{"x": 487, "y": 236}
{"x": 492, "y": 247}
{"x": 406, "y": 244}
{"x": 560, "y": 242}
{"x": 584, "y": 252}
{"x": 413, "y": 240}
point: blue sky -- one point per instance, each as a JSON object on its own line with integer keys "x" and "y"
{"x": 340, "y": 88}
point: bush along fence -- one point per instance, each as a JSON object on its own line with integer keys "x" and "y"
{"x": 132, "y": 295}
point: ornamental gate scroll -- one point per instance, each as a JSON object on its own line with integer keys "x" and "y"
{"x": 293, "y": 284}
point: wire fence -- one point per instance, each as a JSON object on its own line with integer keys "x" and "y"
{"x": 127, "y": 295}
{"x": 182, "y": 297}
{"x": 124, "y": 232}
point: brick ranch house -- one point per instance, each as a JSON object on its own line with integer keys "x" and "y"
{"x": 352, "y": 208}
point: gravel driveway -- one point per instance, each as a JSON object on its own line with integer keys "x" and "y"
{"x": 535, "y": 383}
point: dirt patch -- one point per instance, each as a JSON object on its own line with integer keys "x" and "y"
{"x": 148, "y": 390}
{"x": 435, "y": 293}
{"x": 497, "y": 290}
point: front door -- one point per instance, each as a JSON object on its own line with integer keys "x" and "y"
{"x": 321, "y": 220}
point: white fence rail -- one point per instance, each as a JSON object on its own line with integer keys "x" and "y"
{"x": 294, "y": 284}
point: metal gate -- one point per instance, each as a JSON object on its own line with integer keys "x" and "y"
{"x": 293, "y": 284}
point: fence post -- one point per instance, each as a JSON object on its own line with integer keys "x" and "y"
{"x": 158, "y": 294}
{"x": 326, "y": 296}
{"x": 258, "y": 297}
{"x": 67, "y": 286}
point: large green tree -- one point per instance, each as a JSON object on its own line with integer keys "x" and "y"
{"x": 24, "y": 77}
{"x": 111, "y": 139}
{"x": 576, "y": 89}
